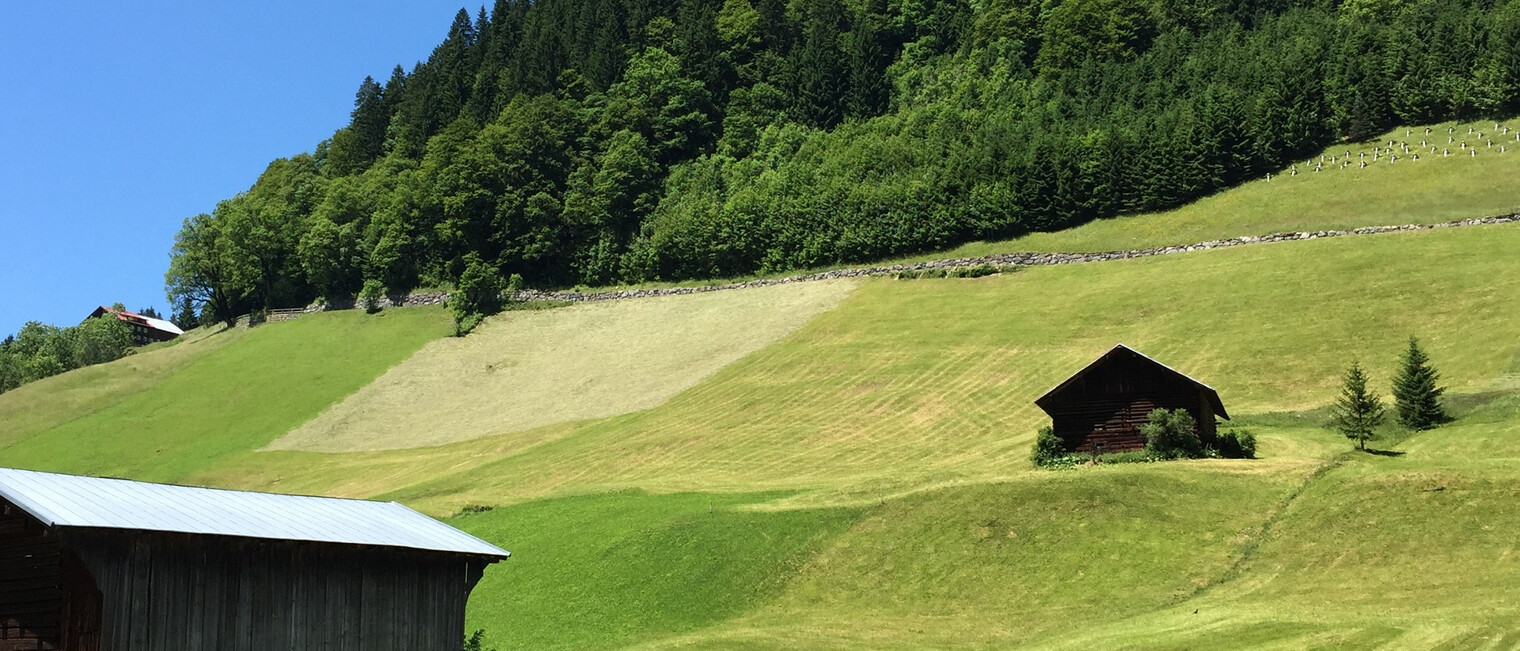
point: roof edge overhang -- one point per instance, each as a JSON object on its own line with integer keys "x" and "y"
{"x": 487, "y": 557}
{"x": 1213, "y": 396}
{"x": 54, "y": 522}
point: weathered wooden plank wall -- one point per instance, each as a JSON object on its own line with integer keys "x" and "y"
{"x": 169, "y": 592}
{"x": 31, "y": 593}
{"x": 1103, "y": 410}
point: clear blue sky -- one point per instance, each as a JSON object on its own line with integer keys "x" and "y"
{"x": 118, "y": 120}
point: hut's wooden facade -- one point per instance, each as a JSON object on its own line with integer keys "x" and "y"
{"x": 1101, "y": 408}
{"x": 109, "y": 588}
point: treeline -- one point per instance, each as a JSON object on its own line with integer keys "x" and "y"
{"x": 599, "y": 141}
{"x": 39, "y": 350}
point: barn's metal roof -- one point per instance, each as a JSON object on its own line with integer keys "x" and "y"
{"x": 92, "y": 502}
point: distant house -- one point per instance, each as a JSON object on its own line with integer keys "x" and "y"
{"x": 90, "y": 564}
{"x": 145, "y": 330}
{"x": 1101, "y": 408}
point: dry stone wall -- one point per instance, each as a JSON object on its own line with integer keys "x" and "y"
{"x": 1001, "y": 259}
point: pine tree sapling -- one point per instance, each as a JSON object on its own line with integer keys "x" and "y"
{"x": 1358, "y": 412}
{"x": 1415, "y": 393}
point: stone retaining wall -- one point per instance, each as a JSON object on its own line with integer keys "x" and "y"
{"x": 1001, "y": 259}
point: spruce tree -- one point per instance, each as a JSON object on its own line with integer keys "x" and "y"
{"x": 370, "y": 119}
{"x": 869, "y": 90}
{"x": 1358, "y": 412}
{"x": 818, "y": 73}
{"x": 1415, "y": 393}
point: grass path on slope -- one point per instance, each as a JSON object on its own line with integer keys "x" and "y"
{"x": 523, "y": 370}
{"x": 53, "y": 401}
{"x": 233, "y": 399}
{"x": 914, "y": 383}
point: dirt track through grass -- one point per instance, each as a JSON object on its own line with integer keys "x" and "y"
{"x": 523, "y": 370}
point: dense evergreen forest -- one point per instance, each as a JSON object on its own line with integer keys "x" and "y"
{"x": 602, "y": 141}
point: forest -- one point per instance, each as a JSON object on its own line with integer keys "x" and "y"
{"x": 595, "y": 142}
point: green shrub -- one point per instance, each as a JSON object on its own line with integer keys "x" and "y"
{"x": 478, "y": 294}
{"x": 1047, "y": 447}
{"x": 476, "y": 642}
{"x": 1172, "y": 434}
{"x": 369, "y": 297}
{"x": 1246, "y": 444}
{"x": 972, "y": 272}
{"x": 1133, "y": 456}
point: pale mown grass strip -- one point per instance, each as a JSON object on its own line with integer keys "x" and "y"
{"x": 524, "y": 370}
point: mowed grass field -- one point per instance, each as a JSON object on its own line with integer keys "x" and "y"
{"x": 863, "y": 482}
{"x": 50, "y": 402}
{"x": 528, "y": 369}
{"x": 257, "y": 385}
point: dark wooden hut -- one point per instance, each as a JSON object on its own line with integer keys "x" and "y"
{"x": 1101, "y": 408}
{"x": 90, "y": 564}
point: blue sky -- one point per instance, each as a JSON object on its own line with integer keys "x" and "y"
{"x": 118, "y": 120}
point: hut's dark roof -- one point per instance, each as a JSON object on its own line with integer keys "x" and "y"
{"x": 71, "y": 501}
{"x": 1122, "y": 351}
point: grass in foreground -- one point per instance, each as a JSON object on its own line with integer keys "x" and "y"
{"x": 638, "y": 566}
{"x": 233, "y": 399}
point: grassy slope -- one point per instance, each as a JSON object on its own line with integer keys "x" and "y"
{"x": 902, "y": 419}
{"x": 906, "y": 411}
{"x": 639, "y": 565}
{"x": 48, "y": 403}
{"x": 233, "y": 399}
{"x": 913, "y": 383}
{"x": 528, "y": 369}
{"x": 1431, "y": 190}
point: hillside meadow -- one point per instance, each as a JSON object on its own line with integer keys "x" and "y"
{"x": 862, "y": 480}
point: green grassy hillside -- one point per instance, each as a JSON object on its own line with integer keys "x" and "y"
{"x": 50, "y": 402}
{"x": 233, "y": 399}
{"x": 863, "y": 482}
{"x": 1434, "y": 189}
{"x": 529, "y": 369}
{"x": 917, "y": 383}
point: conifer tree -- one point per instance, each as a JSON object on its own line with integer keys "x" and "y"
{"x": 699, "y": 47}
{"x": 370, "y": 119}
{"x": 868, "y": 69}
{"x": 1415, "y": 393}
{"x": 817, "y": 74}
{"x": 1358, "y": 412}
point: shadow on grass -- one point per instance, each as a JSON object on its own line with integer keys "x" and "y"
{"x": 1385, "y": 453}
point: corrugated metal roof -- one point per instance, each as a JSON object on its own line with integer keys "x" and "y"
{"x": 163, "y": 325}
{"x": 74, "y": 501}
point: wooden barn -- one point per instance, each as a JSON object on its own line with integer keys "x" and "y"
{"x": 89, "y": 564}
{"x": 1101, "y": 408}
